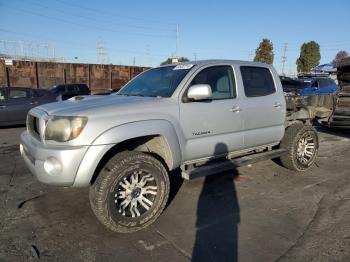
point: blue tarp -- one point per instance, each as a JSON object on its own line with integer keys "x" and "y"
{"x": 325, "y": 68}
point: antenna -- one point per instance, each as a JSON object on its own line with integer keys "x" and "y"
{"x": 284, "y": 57}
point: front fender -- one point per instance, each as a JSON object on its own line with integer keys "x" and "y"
{"x": 118, "y": 134}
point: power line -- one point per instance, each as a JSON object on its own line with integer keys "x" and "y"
{"x": 89, "y": 18}
{"x": 82, "y": 45}
{"x": 114, "y": 14}
{"x": 89, "y": 27}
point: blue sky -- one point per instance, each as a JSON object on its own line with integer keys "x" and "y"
{"x": 145, "y": 31}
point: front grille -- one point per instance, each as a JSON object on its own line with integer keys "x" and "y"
{"x": 33, "y": 126}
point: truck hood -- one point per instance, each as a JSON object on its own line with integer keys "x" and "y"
{"x": 86, "y": 105}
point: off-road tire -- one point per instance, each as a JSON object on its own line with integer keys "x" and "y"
{"x": 292, "y": 136}
{"x": 102, "y": 192}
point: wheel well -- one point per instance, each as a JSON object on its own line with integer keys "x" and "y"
{"x": 156, "y": 145}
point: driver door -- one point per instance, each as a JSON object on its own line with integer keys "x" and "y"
{"x": 213, "y": 127}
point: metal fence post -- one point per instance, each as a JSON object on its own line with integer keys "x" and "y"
{"x": 7, "y": 76}
{"x": 36, "y": 75}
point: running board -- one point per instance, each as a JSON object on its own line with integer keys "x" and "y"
{"x": 191, "y": 172}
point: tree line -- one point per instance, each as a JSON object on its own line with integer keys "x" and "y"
{"x": 309, "y": 57}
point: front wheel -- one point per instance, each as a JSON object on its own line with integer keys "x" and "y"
{"x": 130, "y": 192}
{"x": 301, "y": 142}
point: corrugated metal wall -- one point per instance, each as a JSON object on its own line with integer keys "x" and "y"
{"x": 48, "y": 74}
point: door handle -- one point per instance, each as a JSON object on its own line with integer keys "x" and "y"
{"x": 33, "y": 103}
{"x": 277, "y": 105}
{"x": 2, "y": 107}
{"x": 235, "y": 109}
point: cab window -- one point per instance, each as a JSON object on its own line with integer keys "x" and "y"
{"x": 220, "y": 79}
{"x": 18, "y": 93}
{"x": 257, "y": 81}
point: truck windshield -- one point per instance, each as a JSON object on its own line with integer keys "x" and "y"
{"x": 161, "y": 81}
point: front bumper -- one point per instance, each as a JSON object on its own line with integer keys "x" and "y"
{"x": 35, "y": 154}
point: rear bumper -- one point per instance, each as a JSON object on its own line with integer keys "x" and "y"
{"x": 36, "y": 156}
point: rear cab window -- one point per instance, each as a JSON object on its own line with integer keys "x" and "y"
{"x": 257, "y": 81}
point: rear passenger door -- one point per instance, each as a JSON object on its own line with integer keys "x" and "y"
{"x": 264, "y": 106}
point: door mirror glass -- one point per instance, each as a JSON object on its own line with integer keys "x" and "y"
{"x": 199, "y": 92}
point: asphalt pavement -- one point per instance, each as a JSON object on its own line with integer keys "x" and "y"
{"x": 256, "y": 213}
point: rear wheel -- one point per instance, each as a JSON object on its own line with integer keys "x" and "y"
{"x": 301, "y": 141}
{"x": 130, "y": 192}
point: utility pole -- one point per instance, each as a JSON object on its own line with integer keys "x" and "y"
{"x": 284, "y": 57}
{"x": 250, "y": 56}
{"x": 101, "y": 52}
{"x": 195, "y": 56}
{"x": 149, "y": 56}
{"x": 177, "y": 41}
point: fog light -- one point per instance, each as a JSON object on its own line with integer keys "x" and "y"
{"x": 52, "y": 166}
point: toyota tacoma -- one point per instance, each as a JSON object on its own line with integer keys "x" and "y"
{"x": 201, "y": 117}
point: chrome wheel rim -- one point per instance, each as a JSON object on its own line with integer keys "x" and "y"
{"x": 306, "y": 149}
{"x": 135, "y": 194}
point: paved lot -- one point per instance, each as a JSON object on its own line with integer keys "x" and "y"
{"x": 258, "y": 213}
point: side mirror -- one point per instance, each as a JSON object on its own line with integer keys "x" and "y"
{"x": 199, "y": 92}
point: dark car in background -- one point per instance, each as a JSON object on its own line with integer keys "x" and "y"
{"x": 15, "y": 102}
{"x": 66, "y": 91}
{"x": 309, "y": 86}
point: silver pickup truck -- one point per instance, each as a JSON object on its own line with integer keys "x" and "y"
{"x": 202, "y": 117}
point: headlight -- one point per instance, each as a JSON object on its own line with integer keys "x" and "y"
{"x": 64, "y": 128}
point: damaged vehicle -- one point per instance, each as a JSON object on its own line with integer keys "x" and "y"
{"x": 309, "y": 86}
{"x": 341, "y": 115}
{"x": 202, "y": 117}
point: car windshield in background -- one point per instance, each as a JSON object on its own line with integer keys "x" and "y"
{"x": 161, "y": 81}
